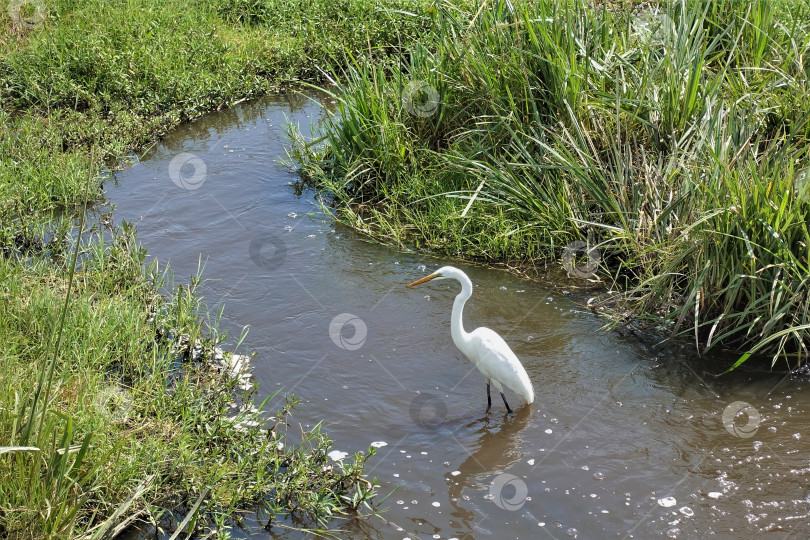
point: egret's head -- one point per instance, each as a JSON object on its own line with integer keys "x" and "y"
{"x": 445, "y": 272}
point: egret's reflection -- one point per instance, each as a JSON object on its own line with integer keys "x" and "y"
{"x": 496, "y": 449}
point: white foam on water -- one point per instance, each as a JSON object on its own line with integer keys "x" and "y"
{"x": 685, "y": 510}
{"x": 337, "y": 455}
{"x": 667, "y": 502}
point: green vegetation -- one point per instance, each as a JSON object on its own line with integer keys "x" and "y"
{"x": 132, "y": 418}
{"x": 671, "y": 138}
{"x": 110, "y": 409}
{"x": 119, "y": 74}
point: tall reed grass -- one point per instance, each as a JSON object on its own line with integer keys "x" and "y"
{"x": 673, "y": 137}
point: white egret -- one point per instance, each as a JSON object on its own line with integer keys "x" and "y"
{"x": 484, "y": 347}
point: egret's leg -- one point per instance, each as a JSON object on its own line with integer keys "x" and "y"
{"x": 489, "y": 399}
{"x": 508, "y": 409}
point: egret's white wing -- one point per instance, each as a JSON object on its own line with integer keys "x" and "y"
{"x": 496, "y": 361}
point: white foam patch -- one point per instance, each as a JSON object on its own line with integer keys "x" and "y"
{"x": 667, "y": 502}
{"x": 337, "y": 455}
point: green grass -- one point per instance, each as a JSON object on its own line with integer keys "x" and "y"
{"x": 109, "y": 414}
{"x": 131, "y": 403}
{"x": 673, "y": 138}
{"x": 119, "y": 74}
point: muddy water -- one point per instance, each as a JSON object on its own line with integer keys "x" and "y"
{"x": 623, "y": 441}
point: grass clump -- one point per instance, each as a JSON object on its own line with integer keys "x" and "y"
{"x": 131, "y": 421}
{"x": 671, "y": 138}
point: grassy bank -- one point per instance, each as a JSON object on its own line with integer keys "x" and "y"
{"x": 119, "y": 74}
{"x": 133, "y": 419}
{"x": 112, "y": 407}
{"x": 661, "y": 149}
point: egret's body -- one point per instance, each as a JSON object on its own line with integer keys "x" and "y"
{"x": 484, "y": 347}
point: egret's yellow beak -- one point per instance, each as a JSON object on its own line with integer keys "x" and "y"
{"x": 424, "y": 279}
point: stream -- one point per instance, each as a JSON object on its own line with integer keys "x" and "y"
{"x": 623, "y": 441}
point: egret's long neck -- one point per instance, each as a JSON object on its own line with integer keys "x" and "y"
{"x": 460, "y": 337}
